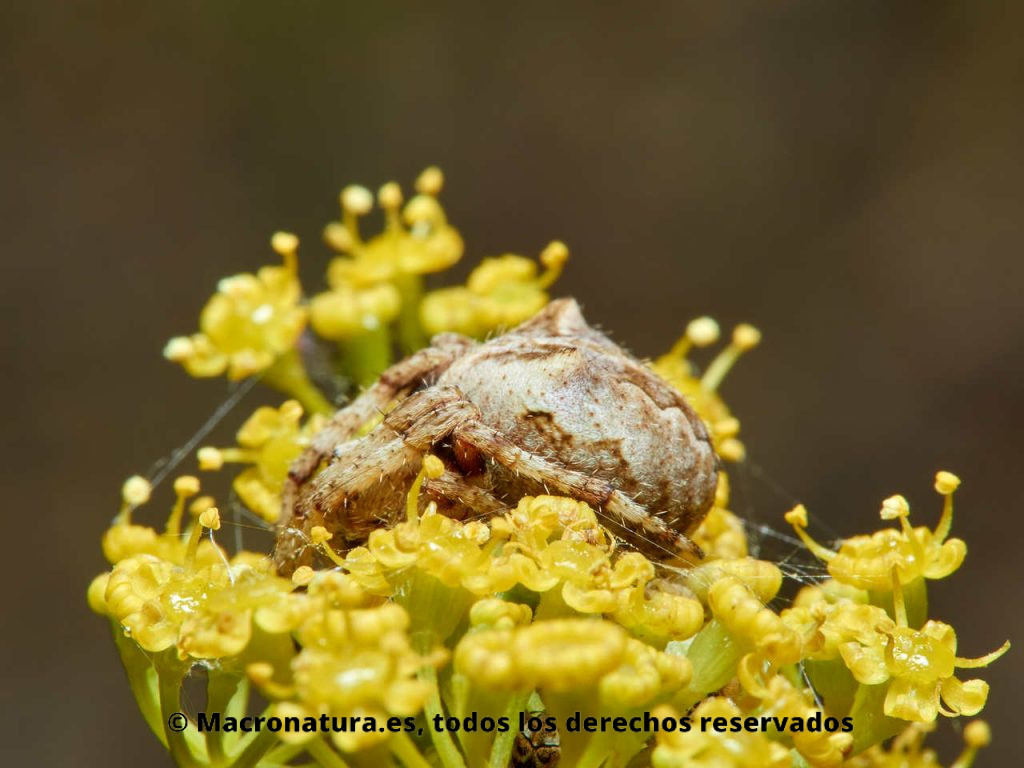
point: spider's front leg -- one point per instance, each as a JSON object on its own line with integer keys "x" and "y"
{"x": 461, "y": 499}
{"x": 365, "y": 485}
{"x": 394, "y": 384}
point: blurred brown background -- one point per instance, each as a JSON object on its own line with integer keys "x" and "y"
{"x": 846, "y": 175}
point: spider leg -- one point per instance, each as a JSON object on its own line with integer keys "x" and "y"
{"x": 648, "y": 531}
{"x": 454, "y": 488}
{"x": 396, "y": 382}
{"x": 364, "y": 486}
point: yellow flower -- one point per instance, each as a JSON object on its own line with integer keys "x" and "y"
{"x": 654, "y": 613}
{"x": 416, "y": 240}
{"x": 919, "y": 666}
{"x": 205, "y": 613}
{"x": 493, "y": 557}
{"x": 560, "y": 655}
{"x": 721, "y": 535}
{"x": 249, "y": 323}
{"x": 780, "y": 698}
{"x": 347, "y": 309}
{"x": 203, "y": 608}
{"x": 907, "y": 750}
{"x": 710, "y": 749}
{"x": 825, "y": 626}
{"x": 866, "y": 562}
{"x": 829, "y": 591}
{"x": 125, "y": 539}
{"x": 269, "y": 440}
{"x": 444, "y": 548}
{"x": 133, "y": 598}
{"x": 644, "y": 675}
{"x": 368, "y": 572}
{"x": 556, "y": 655}
{"x": 749, "y": 621}
{"x": 702, "y": 392}
{"x": 492, "y": 613}
{"x": 222, "y": 625}
{"x": 354, "y": 662}
{"x": 462, "y": 554}
{"x": 764, "y": 579}
{"x": 523, "y": 551}
{"x": 500, "y": 293}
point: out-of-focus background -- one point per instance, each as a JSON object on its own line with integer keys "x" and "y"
{"x": 846, "y": 175}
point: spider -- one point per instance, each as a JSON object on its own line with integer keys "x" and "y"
{"x": 552, "y": 406}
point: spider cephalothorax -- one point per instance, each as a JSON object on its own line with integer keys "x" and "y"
{"x": 552, "y": 406}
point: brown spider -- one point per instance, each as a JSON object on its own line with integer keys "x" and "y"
{"x": 552, "y": 406}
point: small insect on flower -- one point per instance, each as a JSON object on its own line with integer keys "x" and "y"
{"x": 553, "y": 406}
{"x": 536, "y": 749}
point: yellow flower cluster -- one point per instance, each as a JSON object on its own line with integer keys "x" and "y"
{"x": 268, "y": 442}
{"x": 701, "y": 391}
{"x": 499, "y": 294}
{"x": 198, "y": 602}
{"x": 374, "y": 300}
{"x": 417, "y": 238}
{"x": 356, "y": 660}
{"x": 585, "y": 626}
{"x": 375, "y": 281}
{"x": 676, "y": 749}
{"x": 538, "y": 610}
{"x": 181, "y": 600}
{"x": 551, "y": 546}
{"x": 907, "y": 750}
{"x": 871, "y": 619}
{"x": 249, "y": 323}
{"x": 560, "y": 655}
{"x": 867, "y": 562}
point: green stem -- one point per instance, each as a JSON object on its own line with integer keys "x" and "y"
{"x": 501, "y": 750}
{"x": 446, "y": 749}
{"x": 435, "y": 609}
{"x": 834, "y": 683}
{"x": 324, "y": 755}
{"x": 170, "y": 703}
{"x": 406, "y": 751}
{"x": 870, "y": 723}
{"x": 714, "y": 654}
{"x": 613, "y": 750}
{"x": 483, "y": 748}
{"x": 376, "y": 756}
{"x": 915, "y": 598}
{"x": 410, "y": 333}
{"x": 238, "y": 705}
{"x": 142, "y": 678}
{"x": 573, "y": 745}
{"x": 282, "y": 753}
{"x": 288, "y": 375}
{"x": 364, "y": 357}
{"x": 595, "y": 753}
{"x": 255, "y": 750}
{"x": 221, "y": 690}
